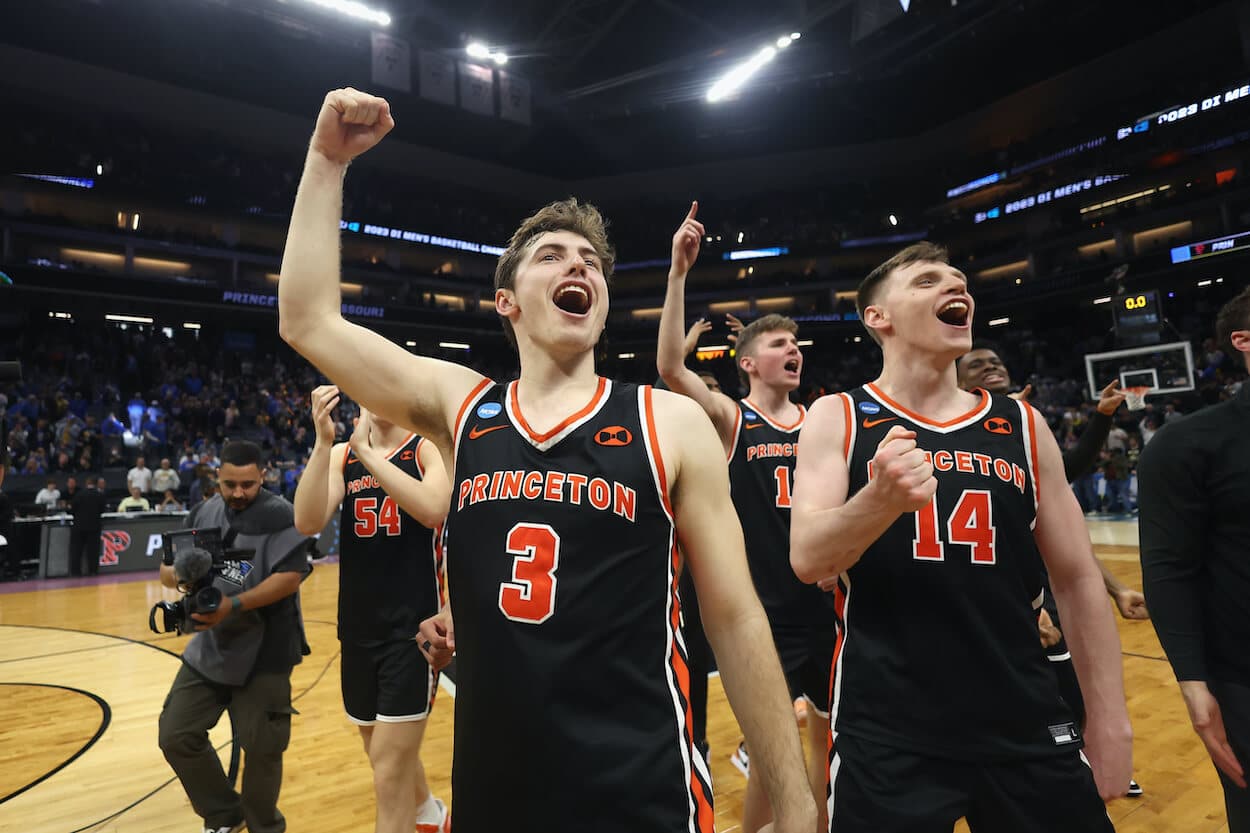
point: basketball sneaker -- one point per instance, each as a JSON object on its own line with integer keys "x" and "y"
{"x": 740, "y": 760}
{"x": 1134, "y": 789}
{"x": 443, "y": 825}
{"x": 229, "y": 829}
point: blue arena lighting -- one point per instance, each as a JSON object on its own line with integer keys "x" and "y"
{"x": 754, "y": 254}
{"x": 419, "y": 237}
{"x": 74, "y": 181}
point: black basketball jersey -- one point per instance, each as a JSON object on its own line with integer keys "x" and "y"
{"x": 761, "y": 472}
{"x": 572, "y": 679}
{"x": 389, "y": 564}
{"x": 939, "y": 650}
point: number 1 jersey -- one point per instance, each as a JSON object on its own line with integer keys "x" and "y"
{"x": 572, "y": 687}
{"x": 939, "y": 650}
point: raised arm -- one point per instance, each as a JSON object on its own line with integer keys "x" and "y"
{"x": 426, "y": 499}
{"x": 1089, "y": 627}
{"x": 670, "y": 351}
{"x": 735, "y": 622}
{"x": 320, "y": 488}
{"x": 416, "y": 392}
{"x": 829, "y": 533}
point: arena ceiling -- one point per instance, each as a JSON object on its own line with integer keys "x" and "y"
{"x": 619, "y": 85}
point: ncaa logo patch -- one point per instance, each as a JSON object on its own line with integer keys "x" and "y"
{"x": 869, "y": 408}
{"x": 997, "y": 425}
{"x": 489, "y": 409}
{"x": 750, "y": 415}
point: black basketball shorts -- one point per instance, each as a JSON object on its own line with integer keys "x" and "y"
{"x": 806, "y": 654}
{"x": 388, "y": 682}
{"x": 882, "y": 789}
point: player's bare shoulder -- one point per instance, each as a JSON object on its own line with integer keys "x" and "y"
{"x": 683, "y": 430}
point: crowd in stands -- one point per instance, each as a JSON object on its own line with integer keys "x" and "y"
{"x": 159, "y": 407}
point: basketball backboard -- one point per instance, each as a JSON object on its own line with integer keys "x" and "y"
{"x": 1163, "y": 368}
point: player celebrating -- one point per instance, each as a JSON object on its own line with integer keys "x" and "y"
{"x": 570, "y": 494}
{"x": 394, "y": 492}
{"x": 759, "y": 435}
{"x": 930, "y": 505}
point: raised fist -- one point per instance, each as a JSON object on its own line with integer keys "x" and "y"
{"x": 901, "y": 474}
{"x": 350, "y": 122}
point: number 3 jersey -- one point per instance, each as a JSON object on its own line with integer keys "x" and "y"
{"x": 389, "y": 562}
{"x": 572, "y": 674}
{"x": 939, "y": 650}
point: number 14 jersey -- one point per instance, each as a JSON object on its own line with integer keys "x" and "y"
{"x": 939, "y": 650}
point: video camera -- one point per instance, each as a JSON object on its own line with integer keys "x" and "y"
{"x": 197, "y": 556}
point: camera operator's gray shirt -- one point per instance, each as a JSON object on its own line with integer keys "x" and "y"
{"x": 227, "y": 653}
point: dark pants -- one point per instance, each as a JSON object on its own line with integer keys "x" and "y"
{"x": 1234, "y": 703}
{"x": 260, "y": 716}
{"x": 84, "y": 544}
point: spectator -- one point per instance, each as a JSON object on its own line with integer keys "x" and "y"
{"x": 1117, "y": 439}
{"x": 84, "y": 535}
{"x": 165, "y": 478}
{"x": 170, "y": 503}
{"x": 48, "y": 495}
{"x": 135, "y": 502}
{"x": 140, "y": 476}
{"x": 135, "y": 410}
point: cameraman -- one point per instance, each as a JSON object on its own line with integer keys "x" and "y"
{"x": 242, "y": 655}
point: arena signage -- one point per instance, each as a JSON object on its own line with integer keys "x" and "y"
{"x": 258, "y": 299}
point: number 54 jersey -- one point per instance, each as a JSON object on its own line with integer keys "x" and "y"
{"x": 939, "y": 650}
{"x": 572, "y": 687}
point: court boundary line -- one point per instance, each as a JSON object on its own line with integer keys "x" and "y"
{"x": 106, "y": 719}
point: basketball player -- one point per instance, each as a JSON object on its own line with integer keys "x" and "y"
{"x": 394, "y": 493}
{"x": 758, "y": 435}
{"x": 570, "y": 493}
{"x": 931, "y": 505}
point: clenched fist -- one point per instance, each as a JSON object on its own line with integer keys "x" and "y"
{"x": 350, "y": 122}
{"x": 901, "y": 474}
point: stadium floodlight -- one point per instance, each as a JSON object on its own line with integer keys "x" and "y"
{"x": 476, "y": 49}
{"x": 354, "y": 9}
{"x": 499, "y": 58}
{"x": 731, "y": 81}
{"x": 795, "y": 35}
{"x": 625, "y": 355}
{"x": 454, "y": 345}
{"x": 784, "y": 41}
{"x": 998, "y": 322}
{"x": 133, "y": 319}
{"x": 893, "y": 220}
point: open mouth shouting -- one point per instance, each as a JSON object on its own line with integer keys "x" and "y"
{"x": 955, "y": 312}
{"x": 792, "y": 365}
{"x": 572, "y": 297}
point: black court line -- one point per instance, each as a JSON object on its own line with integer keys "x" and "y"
{"x": 108, "y": 713}
{"x": 1143, "y": 656}
{"x": 106, "y": 718}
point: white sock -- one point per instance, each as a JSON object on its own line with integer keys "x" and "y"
{"x": 429, "y": 812}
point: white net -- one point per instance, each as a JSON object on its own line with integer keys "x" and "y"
{"x": 1135, "y": 397}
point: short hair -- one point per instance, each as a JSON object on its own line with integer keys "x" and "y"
{"x": 563, "y": 215}
{"x": 241, "y": 453}
{"x": 982, "y": 344}
{"x": 1233, "y": 316}
{"x": 767, "y": 324}
{"x": 922, "y": 252}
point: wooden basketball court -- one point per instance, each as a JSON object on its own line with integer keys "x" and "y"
{"x": 82, "y": 680}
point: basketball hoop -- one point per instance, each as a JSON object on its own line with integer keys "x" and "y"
{"x": 1135, "y": 397}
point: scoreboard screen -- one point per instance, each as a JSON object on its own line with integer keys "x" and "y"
{"x": 1208, "y": 248}
{"x": 1137, "y": 317}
